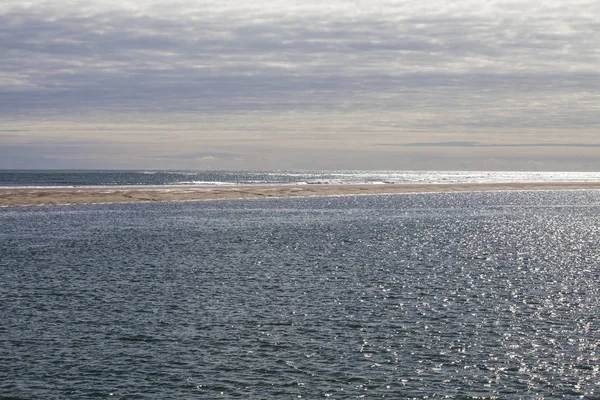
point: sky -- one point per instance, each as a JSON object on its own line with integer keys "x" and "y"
{"x": 397, "y": 85}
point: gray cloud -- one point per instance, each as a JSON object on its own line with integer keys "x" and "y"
{"x": 19, "y": 156}
{"x": 429, "y": 68}
{"x": 217, "y": 60}
{"x": 206, "y": 156}
{"x": 477, "y": 144}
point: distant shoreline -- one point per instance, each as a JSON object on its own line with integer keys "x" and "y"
{"x": 86, "y": 195}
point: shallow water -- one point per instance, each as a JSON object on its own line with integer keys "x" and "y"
{"x": 464, "y": 295}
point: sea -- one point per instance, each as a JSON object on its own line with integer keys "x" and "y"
{"x": 473, "y": 295}
{"x": 86, "y": 178}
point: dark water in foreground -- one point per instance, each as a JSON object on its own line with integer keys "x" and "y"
{"x": 408, "y": 296}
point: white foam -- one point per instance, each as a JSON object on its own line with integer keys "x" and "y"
{"x": 205, "y": 183}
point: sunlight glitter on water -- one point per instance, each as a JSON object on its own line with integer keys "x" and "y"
{"x": 470, "y": 295}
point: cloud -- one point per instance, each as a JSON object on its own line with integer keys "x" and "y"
{"x": 477, "y": 144}
{"x": 293, "y": 76}
{"x": 27, "y": 156}
{"x": 62, "y": 57}
{"x": 206, "y": 156}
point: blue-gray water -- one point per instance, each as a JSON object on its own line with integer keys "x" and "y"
{"x": 66, "y": 178}
{"x": 463, "y": 296}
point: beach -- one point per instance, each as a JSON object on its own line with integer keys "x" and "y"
{"x": 131, "y": 194}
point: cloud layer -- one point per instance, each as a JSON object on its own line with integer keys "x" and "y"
{"x": 437, "y": 66}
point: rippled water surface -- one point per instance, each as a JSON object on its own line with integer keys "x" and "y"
{"x": 470, "y": 295}
{"x": 68, "y": 178}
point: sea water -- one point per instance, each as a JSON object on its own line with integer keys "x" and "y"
{"x": 67, "y": 178}
{"x": 464, "y": 295}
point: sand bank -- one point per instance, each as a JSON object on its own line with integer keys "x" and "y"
{"x": 48, "y": 196}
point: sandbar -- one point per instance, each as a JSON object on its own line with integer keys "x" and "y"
{"x": 131, "y": 194}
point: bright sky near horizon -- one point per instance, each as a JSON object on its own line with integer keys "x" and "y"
{"x": 431, "y": 84}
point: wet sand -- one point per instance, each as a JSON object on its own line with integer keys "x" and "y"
{"x": 82, "y": 195}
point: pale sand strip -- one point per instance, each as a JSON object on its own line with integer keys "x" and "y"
{"x": 49, "y": 196}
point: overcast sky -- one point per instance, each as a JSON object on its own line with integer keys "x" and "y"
{"x": 431, "y": 84}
